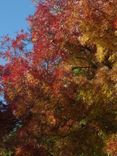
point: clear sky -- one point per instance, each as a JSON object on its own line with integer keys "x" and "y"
{"x": 13, "y": 14}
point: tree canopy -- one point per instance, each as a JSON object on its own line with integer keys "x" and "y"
{"x": 61, "y": 94}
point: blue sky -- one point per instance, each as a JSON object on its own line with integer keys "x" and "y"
{"x": 13, "y": 14}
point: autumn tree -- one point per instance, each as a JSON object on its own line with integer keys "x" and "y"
{"x": 64, "y": 90}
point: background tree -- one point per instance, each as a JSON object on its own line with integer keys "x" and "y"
{"x": 64, "y": 92}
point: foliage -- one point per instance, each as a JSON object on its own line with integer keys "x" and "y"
{"x": 63, "y": 92}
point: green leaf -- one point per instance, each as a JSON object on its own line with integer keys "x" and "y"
{"x": 77, "y": 71}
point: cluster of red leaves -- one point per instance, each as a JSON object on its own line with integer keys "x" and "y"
{"x": 111, "y": 145}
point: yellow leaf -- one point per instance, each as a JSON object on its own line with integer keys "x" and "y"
{"x": 101, "y": 53}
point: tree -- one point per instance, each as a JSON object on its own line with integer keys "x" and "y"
{"x": 64, "y": 91}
